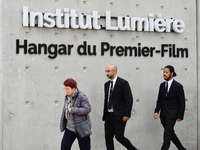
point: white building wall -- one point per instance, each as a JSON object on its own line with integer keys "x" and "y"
{"x": 198, "y": 73}
{"x": 1, "y": 115}
{"x": 32, "y": 84}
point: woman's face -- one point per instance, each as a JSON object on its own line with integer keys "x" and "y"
{"x": 69, "y": 90}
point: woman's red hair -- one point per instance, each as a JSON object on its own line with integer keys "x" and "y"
{"x": 70, "y": 82}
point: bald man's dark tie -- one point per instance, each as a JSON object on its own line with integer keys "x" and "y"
{"x": 110, "y": 95}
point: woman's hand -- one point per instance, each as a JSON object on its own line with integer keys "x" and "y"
{"x": 69, "y": 110}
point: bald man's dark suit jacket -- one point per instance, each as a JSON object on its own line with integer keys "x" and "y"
{"x": 122, "y": 99}
{"x": 172, "y": 106}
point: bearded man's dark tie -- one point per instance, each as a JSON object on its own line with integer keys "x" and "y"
{"x": 166, "y": 88}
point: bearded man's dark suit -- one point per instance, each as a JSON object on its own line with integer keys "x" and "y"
{"x": 122, "y": 102}
{"x": 172, "y": 107}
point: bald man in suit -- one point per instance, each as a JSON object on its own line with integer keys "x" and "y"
{"x": 118, "y": 103}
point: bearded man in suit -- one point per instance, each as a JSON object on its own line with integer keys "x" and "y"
{"x": 171, "y": 106}
{"x": 118, "y": 103}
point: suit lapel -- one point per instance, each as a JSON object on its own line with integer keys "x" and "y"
{"x": 116, "y": 84}
{"x": 107, "y": 88}
{"x": 163, "y": 87}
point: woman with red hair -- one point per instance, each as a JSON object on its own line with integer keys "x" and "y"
{"x": 75, "y": 110}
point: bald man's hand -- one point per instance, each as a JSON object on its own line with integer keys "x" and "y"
{"x": 125, "y": 118}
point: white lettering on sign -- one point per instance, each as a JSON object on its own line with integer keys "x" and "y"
{"x": 70, "y": 19}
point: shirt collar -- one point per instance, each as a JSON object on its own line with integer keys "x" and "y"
{"x": 170, "y": 82}
{"x": 114, "y": 81}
